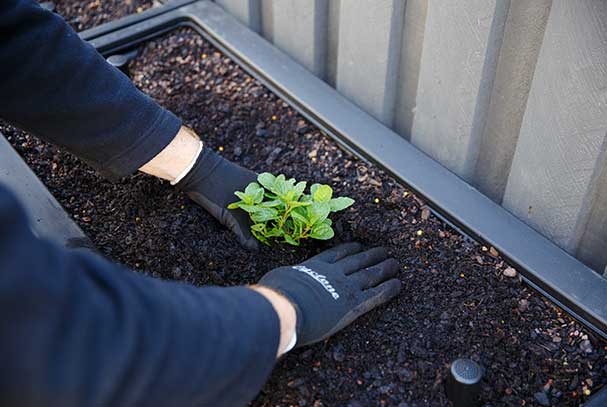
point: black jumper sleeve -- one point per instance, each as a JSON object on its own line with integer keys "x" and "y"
{"x": 77, "y": 330}
{"x": 59, "y": 88}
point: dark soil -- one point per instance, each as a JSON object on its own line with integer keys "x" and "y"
{"x": 456, "y": 301}
{"x": 85, "y": 14}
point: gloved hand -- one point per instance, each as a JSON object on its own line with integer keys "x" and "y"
{"x": 332, "y": 289}
{"x": 211, "y": 184}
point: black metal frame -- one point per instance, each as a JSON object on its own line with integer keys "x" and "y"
{"x": 104, "y": 29}
{"x": 554, "y": 273}
{"x": 47, "y": 218}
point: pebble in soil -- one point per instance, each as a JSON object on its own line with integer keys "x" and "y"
{"x": 459, "y": 298}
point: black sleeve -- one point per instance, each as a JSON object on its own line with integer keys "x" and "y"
{"x": 59, "y": 88}
{"x": 76, "y": 330}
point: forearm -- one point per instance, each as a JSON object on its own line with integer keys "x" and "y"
{"x": 286, "y": 315}
{"x": 62, "y": 90}
{"x": 175, "y": 160}
{"x": 86, "y": 332}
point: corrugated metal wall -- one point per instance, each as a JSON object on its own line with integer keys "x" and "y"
{"x": 509, "y": 94}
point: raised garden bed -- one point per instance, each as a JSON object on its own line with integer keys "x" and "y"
{"x": 456, "y": 301}
{"x": 82, "y": 15}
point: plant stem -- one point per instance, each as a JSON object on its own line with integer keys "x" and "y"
{"x": 284, "y": 217}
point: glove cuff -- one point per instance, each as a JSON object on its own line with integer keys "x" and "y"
{"x": 203, "y": 167}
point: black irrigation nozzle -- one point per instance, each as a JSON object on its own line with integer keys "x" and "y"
{"x": 48, "y": 5}
{"x": 463, "y": 383}
{"x": 121, "y": 61}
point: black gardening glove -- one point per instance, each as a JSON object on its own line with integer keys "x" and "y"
{"x": 211, "y": 184}
{"x": 332, "y": 289}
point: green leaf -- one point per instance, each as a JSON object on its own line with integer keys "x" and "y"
{"x": 322, "y": 193}
{"x": 249, "y": 208}
{"x": 322, "y": 231}
{"x": 296, "y": 204}
{"x": 247, "y": 199}
{"x": 299, "y": 218}
{"x": 263, "y": 215}
{"x": 258, "y": 227}
{"x": 271, "y": 204}
{"x": 318, "y": 211}
{"x": 280, "y": 185}
{"x": 299, "y": 188}
{"x": 291, "y": 241}
{"x": 289, "y": 225}
{"x": 280, "y": 209}
{"x": 341, "y": 203}
{"x": 267, "y": 180}
{"x": 275, "y": 232}
{"x": 252, "y": 188}
{"x": 260, "y": 237}
{"x": 255, "y": 192}
{"x": 290, "y": 183}
{"x": 290, "y": 196}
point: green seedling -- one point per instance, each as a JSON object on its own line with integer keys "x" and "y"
{"x": 281, "y": 210}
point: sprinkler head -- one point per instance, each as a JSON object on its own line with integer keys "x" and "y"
{"x": 463, "y": 383}
{"x": 121, "y": 61}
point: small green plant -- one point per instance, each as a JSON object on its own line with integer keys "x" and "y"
{"x": 280, "y": 210}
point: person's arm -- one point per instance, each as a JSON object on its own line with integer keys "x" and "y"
{"x": 77, "y": 330}
{"x": 59, "y": 88}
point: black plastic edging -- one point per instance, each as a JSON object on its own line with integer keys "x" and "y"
{"x": 554, "y": 273}
{"x": 47, "y": 218}
{"x": 132, "y": 35}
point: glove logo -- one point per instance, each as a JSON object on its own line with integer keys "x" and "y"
{"x": 320, "y": 278}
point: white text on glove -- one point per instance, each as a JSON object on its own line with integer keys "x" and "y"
{"x": 320, "y": 278}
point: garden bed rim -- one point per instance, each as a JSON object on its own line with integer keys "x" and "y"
{"x": 544, "y": 266}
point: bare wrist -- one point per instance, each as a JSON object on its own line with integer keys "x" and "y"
{"x": 286, "y": 315}
{"x": 176, "y": 158}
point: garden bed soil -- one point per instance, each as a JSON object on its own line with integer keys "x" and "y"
{"x": 82, "y": 15}
{"x": 456, "y": 300}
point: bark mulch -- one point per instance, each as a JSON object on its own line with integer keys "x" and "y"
{"x": 456, "y": 302}
{"x": 82, "y": 15}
